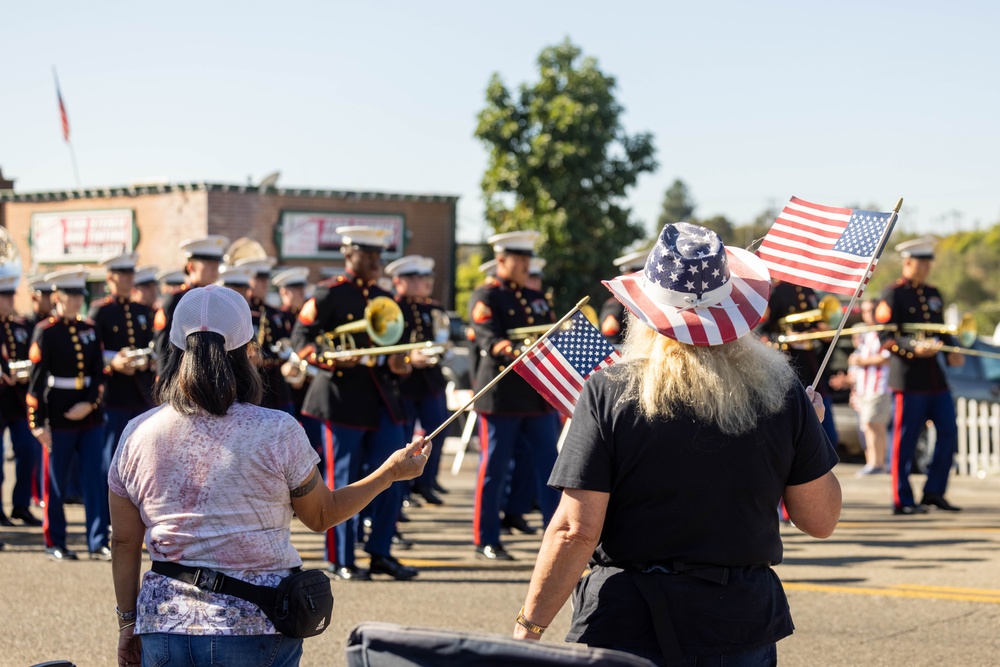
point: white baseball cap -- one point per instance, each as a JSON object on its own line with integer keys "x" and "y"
{"x": 215, "y": 309}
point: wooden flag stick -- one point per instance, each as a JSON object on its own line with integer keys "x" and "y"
{"x": 858, "y": 291}
{"x": 582, "y": 302}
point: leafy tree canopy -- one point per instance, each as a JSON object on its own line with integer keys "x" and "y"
{"x": 560, "y": 163}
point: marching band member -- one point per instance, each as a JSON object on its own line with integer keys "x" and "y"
{"x": 16, "y": 339}
{"x": 291, "y": 284}
{"x": 41, "y": 300}
{"x": 126, "y": 332}
{"x": 806, "y": 356}
{"x": 204, "y": 256}
{"x": 358, "y": 403}
{"x": 269, "y": 323}
{"x": 511, "y": 414}
{"x": 423, "y": 390}
{"x": 66, "y": 415}
{"x": 612, "y": 315}
{"x": 917, "y": 379}
{"x": 146, "y": 289}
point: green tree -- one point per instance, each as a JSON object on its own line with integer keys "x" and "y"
{"x": 560, "y": 163}
{"x": 677, "y": 205}
{"x": 467, "y": 279}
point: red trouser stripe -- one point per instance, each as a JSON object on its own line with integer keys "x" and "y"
{"x": 45, "y": 496}
{"x": 328, "y": 444}
{"x": 483, "y": 461}
{"x": 897, "y": 423}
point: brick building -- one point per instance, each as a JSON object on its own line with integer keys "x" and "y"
{"x": 293, "y": 224}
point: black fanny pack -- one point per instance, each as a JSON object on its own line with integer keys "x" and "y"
{"x": 301, "y": 605}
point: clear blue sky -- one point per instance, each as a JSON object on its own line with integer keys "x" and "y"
{"x": 749, "y": 102}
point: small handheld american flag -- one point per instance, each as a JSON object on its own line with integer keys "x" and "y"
{"x": 559, "y": 365}
{"x": 824, "y": 247}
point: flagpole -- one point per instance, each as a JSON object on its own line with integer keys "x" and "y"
{"x": 517, "y": 360}
{"x": 858, "y": 290}
{"x": 76, "y": 170}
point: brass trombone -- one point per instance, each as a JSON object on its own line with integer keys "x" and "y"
{"x": 830, "y": 333}
{"x": 382, "y": 321}
{"x": 965, "y": 332}
{"x": 829, "y": 308}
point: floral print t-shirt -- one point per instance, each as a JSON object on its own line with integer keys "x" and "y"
{"x": 213, "y": 491}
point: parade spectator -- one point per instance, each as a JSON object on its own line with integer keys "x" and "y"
{"x": 673, "y": 465}
{"x": 209, "y": 481}
{"x": 871, "y": 397}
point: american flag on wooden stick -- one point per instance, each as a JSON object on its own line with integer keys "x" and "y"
{"x": 559, "y": 365}
{"x": 824, "y": 247}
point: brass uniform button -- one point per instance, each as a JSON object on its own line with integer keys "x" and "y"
{"x": 350, "y": 316}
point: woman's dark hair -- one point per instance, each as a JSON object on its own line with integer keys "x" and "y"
{"x": 206, "y": 377}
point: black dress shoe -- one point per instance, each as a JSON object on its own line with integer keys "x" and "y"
{"x": 427, "y": 494}
{"x": 910, "y": 509}
{"x": 392, "y": 567}
{"x": 103, "y": 553}
{"x": 61, "y": 553}
{"x": 401, "y": 542}
{"x": 929, "y": 499}
{"x": 440, "y": 489}
{"x": 5, "y": 522}
{"x": 410, "y": 502}
{"x": 348, "y": 572}
{"x": 25, "y": 516}
{"x": 516, "y": 522}
{"x": 492, "y": 552}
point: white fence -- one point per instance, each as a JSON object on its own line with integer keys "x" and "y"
{"x": 978, "y": 438}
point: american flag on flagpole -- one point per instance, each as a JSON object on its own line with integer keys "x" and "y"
{"x": 824, "y": 247}
{"x": 559, "y": 365}
{"x": 62, "y": 111}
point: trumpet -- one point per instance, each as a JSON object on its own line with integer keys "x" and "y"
{"x": 21, "y": 370}
{"x": 426, "y": 346}
{"x": 140, "y": 358}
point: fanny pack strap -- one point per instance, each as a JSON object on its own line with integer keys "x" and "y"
{"x": 212, "y": 580}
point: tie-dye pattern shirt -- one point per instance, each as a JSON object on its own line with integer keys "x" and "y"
{"x": 213, "y": 492}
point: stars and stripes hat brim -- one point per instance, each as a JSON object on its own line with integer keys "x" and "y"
{"x": 695, "y": 290}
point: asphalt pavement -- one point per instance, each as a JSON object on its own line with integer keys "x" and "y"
{"x": 883, "y": 590}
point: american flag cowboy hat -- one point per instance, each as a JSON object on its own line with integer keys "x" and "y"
{"x": 694, "y": 289}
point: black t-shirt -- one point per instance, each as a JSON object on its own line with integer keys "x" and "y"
{"x": 683, "y": 491}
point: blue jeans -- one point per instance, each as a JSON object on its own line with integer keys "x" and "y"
{"x": 115, "y": 421}
{"x": 27, "y": 457}
{"x": 88, "y": 445}
{"x": 765, "y": 656}
{"x": 164, "y": 650}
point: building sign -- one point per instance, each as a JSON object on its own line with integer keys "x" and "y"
{"x": 313, "y": 235}
{"x": 81, "y": 237}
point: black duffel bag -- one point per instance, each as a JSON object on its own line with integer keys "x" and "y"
{"x": 300, "y": 606}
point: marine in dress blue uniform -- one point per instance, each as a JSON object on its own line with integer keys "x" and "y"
{"x": 15, "y": 336}
{"x": 66, "y": 415}
{"x": 269, "y": 325}
{"x": 920, "y": 389}
{"x": 358, "y": 403}
{"x": 512, "y": 414}
{"x": 292, "y": 284}
{"x": 125, "y": 328}
{"x": 422, "y": 391}
{"x": 204, "y": 255}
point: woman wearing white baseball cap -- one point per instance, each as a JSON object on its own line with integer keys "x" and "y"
{"x": 209, "y": 481}
{"x": 674, "y": 465}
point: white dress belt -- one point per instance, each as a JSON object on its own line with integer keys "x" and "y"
{"x": 68, "y": 383}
